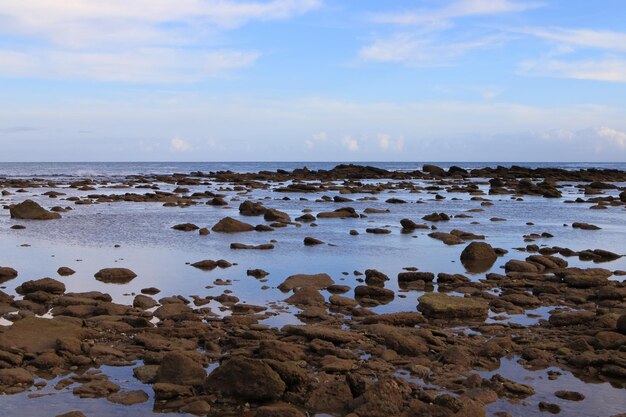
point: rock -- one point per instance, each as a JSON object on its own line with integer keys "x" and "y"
{"x": 273, "y": 215}
{"x": 230, "y": 225}
{"x": 147, "y": 374}
{"x": 65, "y": 271}
{"x": 585, "y": 278}
{"x": 551, "y": 408}
{"x": 185, "y": 227}
{"x": 436, "y": 217}
{"x": 569, "y": 395}
{"x": 376, "y": 293}
{"x": 15, "y": 380}
{"x": 621, "y": 324}
{"x": 318, "y": 281}
{"x": 622, "y": 196}
{"x": 257, "y": 273}
{"x": 411, "y": 276}
{"x": 439, "y": 305}
{"x": 129, "y": 397}
{"x": 306, "y": 296}
{"x": 115, "y": 275}
{"x": 250, "y": 208}
{"x": 515, "y": 265}
{"x": 144, "y": 302}
{"x": 7, "y": 274}
{"x": 281, "y": 351}
{"x": 479, "y": 251}
{"x": 207, "y": 265}
{"x": 447, "y": 238}
{"x": 278, "y": 410}
{"x": 400, "y": 339}
{"x": 434, "y": 170}
{"x": 179, "y": 369}
{"x": 330, "y": 397}
{"x": 573, "y": 318}
{"x": 377, "y": 231}
{"x": 197, "y": 408}
{"x": 409, "y": 225}
{"x": 48, "y": 285}
{"x": 311, "y": 241}
{"x": 165, "y": 391}
{"x": 405, "y": 318}
{"x": 264, "y": 246}
{"x": 96, "y": 389}
{"x": 338, "y": 300}
{"x": 246, "y": 380}
{"x": 339, "y": 213}
{"x": 585, "y": 226}
{"x": 32, "y": 211}
{"x": 204, "y": 231}
{"x": 72, "y": 414}
{"x": 374, "y": 277}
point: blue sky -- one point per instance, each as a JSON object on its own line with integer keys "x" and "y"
{"x": 304, "y": 80}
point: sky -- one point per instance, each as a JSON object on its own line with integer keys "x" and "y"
{"x": 313, "y": 80}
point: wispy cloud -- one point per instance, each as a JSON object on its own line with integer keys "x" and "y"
{"x": 425, "y": 36}
{"x": 609, "y": 69}
{"x": 600, "y": 39}
{"x": 132, "y": 41}
{"x": 597, "y": 139}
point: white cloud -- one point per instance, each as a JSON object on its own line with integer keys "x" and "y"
{"x": 144, "y": 65}
{"x": 350, "y": 143}
{"x": 416, "y": 50}
{"x": 596, "y": 139}
{"x": 179, "y": 144}
{"x": 316, "y": 138}
{"x": 608, "y": 69}
{"x": 419, "y": 43}
{"x": 387, "y": 142}
{"x": 609, "y": 40}
{"x": 456, "y": 9}
{"x": 132, "y": 41}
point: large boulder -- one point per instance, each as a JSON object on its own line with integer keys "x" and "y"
{"x": 246, "y": 380}
{"x": 439, "y": 305}
{"x": 434, "y": 170}
{"x": 30, "y": 210}
{"x": 230, "y": 225}
{"x": 478, "y": 257}
{"x": 115, "y": 275}
{"x": 273, "y": 215}
{"x": 177, "y": 368}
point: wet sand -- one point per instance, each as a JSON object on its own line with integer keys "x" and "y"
{"x": 541, "y": 310}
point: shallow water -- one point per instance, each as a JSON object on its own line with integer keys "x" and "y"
{"x": 84, "y": 240}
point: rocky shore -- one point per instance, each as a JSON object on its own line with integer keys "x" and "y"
{"x": 343, "y": 358}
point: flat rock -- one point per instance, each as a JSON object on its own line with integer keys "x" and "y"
{"x": 439, "y": 305}
{"x": 230, "y": 225}
{"x": 318, "y": 281}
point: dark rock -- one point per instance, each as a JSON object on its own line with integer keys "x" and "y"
{"x": 32, "y": 211}
{"x": 115, "y": 275}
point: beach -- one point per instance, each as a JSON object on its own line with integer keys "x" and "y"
{"x": 358, "y": 290}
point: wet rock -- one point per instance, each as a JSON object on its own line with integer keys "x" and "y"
{"x": 409, "y": 225}
{"x": 339, "y": 213}
{"x": 72, "y": 414}
{"x": 412, "y": 276}
{"x": 440, "y": 305}
{"x": 306, "y": 296}
{"x": 573, "y": 318}
{"x": 434, "y": 170}
{"x": 230, "y": 225}
{"x": 585, "y": 278}
{"x": 278, "y": 410}
{"x": 273, "y": 215}
{"x": 264, "y": 246}
{"x": 479, "y": 251}
{"x": 377, "y": 231}
{"x": 15, "y": 380}
{"x": 447, "y": 238}
{"x": 65, "y": 271}
{"x": 185, "y": 227}
{"x": 436, "y": 217}
{"x": 129, "y": 397}
{"x": 165, "y": 391}
{"x": 250, "y": 208}
{"x": 179, "y": 369}
{"x": 569, "y": 395}
{"x": 405, "y": 318}
{"x": 30, "y": 210}
{"x": 281, "y": 351}
{"x": 515, "y": 265}
{"x": 551, "y": 408}
{"x": 331, "y": 397}
{"x": 96, "y": 389}
{"x": 373, "y": 292}
{"x": 621, "y": 324}
{"x": 144, "y": 302}
{"x": 7, "y": 274}
{"x": 115, "y": 275}
{"x": 311, "y": 241}
{"x": 204, "y": 231}
{"x": 246, "y": 380}
{"x": 48, "y": 285}
{"x": 197, "y": 408}
{"x": 374, "y": 277}
{"x": 585, "y": 226}
{"x": 400, "y": 339}
{"x": 147, "y": 374}
{"x": 257, "y": 273}
{"x": 318, "y": 281}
